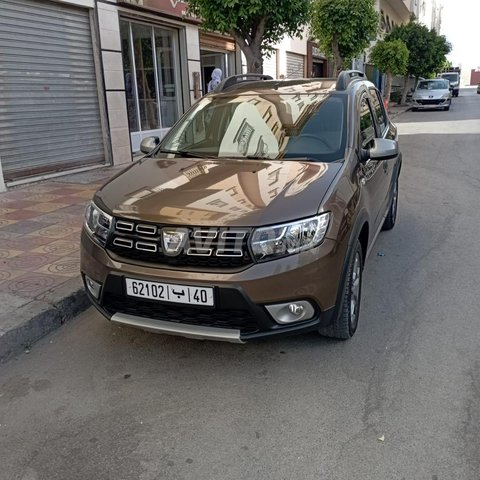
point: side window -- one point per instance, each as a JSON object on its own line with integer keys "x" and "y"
{"x": 367, "y": 124}
{"x": 379, "y": 110}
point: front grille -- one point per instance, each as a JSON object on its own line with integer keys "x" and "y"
{"x": 242, "y": 320}
{"x": 201, "y": 247}
{"x": 430, "y": 102}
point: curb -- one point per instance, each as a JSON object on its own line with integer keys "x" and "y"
{"x": 29, "y": 323}
{"x": 393, "y": 115}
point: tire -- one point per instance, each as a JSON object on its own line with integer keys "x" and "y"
{"x": 447, "y": 108}
{"x": 391, "y": 217}
{"x": 345, "y": 324}
{"x": 414, "y": 109}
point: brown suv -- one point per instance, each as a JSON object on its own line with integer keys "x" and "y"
{"x": 252, "y": 217}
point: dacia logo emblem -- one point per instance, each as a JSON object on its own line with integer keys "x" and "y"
{"x": 173, "y": 240}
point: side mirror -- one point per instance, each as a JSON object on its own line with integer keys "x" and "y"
{"x": 384, "y": 149}
{"x": 148, "y": 144}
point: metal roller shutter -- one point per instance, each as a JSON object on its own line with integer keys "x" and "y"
{"x": 295, "y": 65}
{"x": 270, "y": 64}
{"x": 49, "y": 110}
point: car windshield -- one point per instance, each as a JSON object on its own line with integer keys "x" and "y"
{"x": 266, "y": 124}
{"x": 433, "y": 85}
{"x": 451, "y": 77}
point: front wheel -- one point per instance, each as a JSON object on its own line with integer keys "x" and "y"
{"x": 391, "y": 217}
{"x": 345, "y": 324}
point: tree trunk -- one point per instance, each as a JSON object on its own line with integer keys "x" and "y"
{"x": 251, "y": 45}
{"x": 337, "y": 58}
{"x": 254, "y": 57}
{"x": 388, "y": 86}
{"x": 406, "y": 79}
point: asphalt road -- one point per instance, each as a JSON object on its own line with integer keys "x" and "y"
{"x": 95, "y": 401}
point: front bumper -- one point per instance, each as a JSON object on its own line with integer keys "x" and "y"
{"x": 440, "y": 103}
{"x": 239, "y": 314}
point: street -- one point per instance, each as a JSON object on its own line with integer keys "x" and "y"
{"x": 401, "y": 400}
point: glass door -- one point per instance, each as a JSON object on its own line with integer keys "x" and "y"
{"x": 151, "y": 70}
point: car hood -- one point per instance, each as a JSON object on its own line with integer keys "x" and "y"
{"x": 180, "y": 191}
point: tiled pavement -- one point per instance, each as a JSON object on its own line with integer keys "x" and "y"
{"x": 40, "y": 230}
{"x": 40, "y": 286}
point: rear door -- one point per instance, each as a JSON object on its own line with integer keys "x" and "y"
{"x": 372, "y": 174}
{"x": 383, "y": 131}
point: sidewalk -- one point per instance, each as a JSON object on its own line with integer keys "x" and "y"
{"x": 396, "y": 110}
{"x": 40, "y": 287}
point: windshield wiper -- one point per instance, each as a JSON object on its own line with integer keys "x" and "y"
{"x": 185, "y": 153}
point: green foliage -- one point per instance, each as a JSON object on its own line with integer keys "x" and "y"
{"x": 244, "y": 18}
{"x": 390, "y": 56}
{"x": 352, "y": 24}
{"x": 427, "y": 49}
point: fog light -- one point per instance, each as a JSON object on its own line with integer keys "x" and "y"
{"x": 93, "y": 287}
{"x": 284, "y": 313}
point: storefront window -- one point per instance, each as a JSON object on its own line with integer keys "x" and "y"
{"x": 150, "y": 62}
{"x": 145, "y": 74}
{"x": 130, "y": 83}
{"x": 164, "y": 43}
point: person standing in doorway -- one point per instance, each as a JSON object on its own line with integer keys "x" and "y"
{"x": 216, "y": 79}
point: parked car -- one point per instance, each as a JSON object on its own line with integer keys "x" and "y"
{"x": 478, "y": 88}
{"x": 454, "y": 80}
{"x": 254, "y": 216}
{"x": 432, "y": 94}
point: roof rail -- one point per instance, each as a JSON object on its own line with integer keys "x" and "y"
{"x": 234, "y": 80}
{"x": 346, "y": 77}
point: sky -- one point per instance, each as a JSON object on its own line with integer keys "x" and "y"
{"x": 461, "y": 26}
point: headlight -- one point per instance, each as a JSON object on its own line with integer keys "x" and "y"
{"x": 277, "y": 241}
{"x": 98, "y": 223}
{"x": 446, "y": 95}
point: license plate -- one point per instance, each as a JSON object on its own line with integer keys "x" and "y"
{"x": 168, "y": 292}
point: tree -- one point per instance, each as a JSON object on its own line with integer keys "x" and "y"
{"x": 256, "y": 25}
{"x": 390, "y": 57}
{"x": 344, "y": 28}
{"x": 427, "y": 49}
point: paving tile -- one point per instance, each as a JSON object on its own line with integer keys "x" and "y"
{"x": 56, "y": 217}
{"x": 15, "y": 195}
{"x": 6, "y": 275}
{"x": 87, "y": 195}
{"x": 8, "y": 236}
{"x": 21, "y": 215}
{"x": 31, "y": 285}
{"x": 47, "y": 207}
{"x": 73, "y": 200}
{"x": 65, "y": 191}
{"x": 42, "y": 197}
{"x": 58, "y": 247}
{"x": 74, "y": 237}
{"x": 5, "y": 223}
{"x": 27, "y": 226}
{"x": 8, "y": 253}
{"x": 26, "y": 242}
{"x": 57, "y": 231}
{"x": 74, "y": 209}
{"x": 27, "y": 262}
{"x": 4, "y": 210}
{"x": 18, "y": 203}
{"x": 66, "y": 267}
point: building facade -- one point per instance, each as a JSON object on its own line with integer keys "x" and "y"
{"x": 83, "y": 81}
{"x": 428, "y": 13}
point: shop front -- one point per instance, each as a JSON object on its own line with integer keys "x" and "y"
{"x": 216, "y": 51}
{"x": 158, "y": 61}
{"x": 51, "y": 118}
{"x": 317, "y": 66}
{"x": 152, "y": 78}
